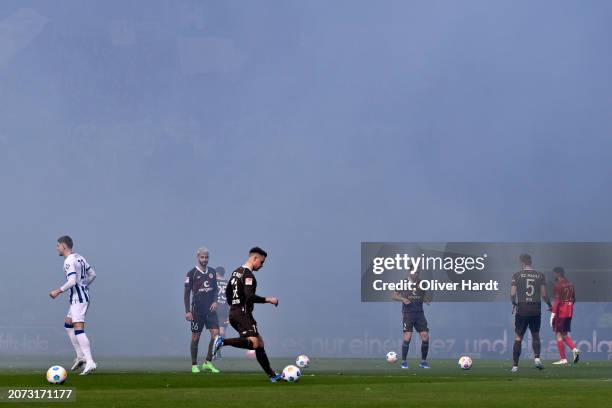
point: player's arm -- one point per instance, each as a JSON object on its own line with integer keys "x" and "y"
{"x": 215, "y": 284}
{"x": 399, "y": 298}
{"x": 544, "y": 296}
{"x": 69, "y": 283}
{"x": 71, "y": 272}
{"x": 91, "y": 274}
{"x": 513, "y": 298}
{"x": 187, "y": 296}
{"x": 251, "y": 297}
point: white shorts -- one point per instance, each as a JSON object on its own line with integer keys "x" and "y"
{"x": 77, "y": 312}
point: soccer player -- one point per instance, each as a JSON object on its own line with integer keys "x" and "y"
{"x": 414, "y": 317}
{"x": 527, "y": 292}
{"x": 201, "y": 309}
{"x": 561, "y": 317}
{"x": 79, "y": 275}
{"x": 241, "y": 296}
{"x": 222, "y": 306}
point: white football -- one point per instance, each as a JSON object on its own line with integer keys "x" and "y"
{"x": 391, "y": 357}
{"x": 250, "y": 354}
{"x": 56, "y": 375}
{"x": 291, "y": 373}
{"x": 302, "y": 361}
{"x": 465, "y": 362}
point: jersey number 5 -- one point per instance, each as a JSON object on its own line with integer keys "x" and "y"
{"x": 530, "y": 288}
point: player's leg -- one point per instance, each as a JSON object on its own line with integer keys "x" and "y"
{"x": 561, "y": 348}
{"x": 214, "y": 332}
{"x": 424, "y": 348}
{"x": 520, "y": 327}
{"x": 193, "y": 348}
{"x": 212, "y": 324}
{"x": 421, "y": 327}
{"x": 566, "y": 328}
{"x": 240, "y": 323}
{"x": 407, "y": 336}
{"x": 534, "y": 328}
{"x": 262, "y": 357}
{"x": 78, "y": 312}
{"x": 406, "y": 345}
{"x": 80, "y": 358}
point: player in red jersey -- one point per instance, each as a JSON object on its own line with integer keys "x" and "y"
{"x": 562, "y": 312}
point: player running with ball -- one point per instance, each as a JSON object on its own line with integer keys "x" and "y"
{"x": 79, "y": 275}
{"x": 241, "y": 296}
{"x": 561, "y": 317}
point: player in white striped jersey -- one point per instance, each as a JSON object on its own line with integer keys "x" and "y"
{"x": 79, "y": 275}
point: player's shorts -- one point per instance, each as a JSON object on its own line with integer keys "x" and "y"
{"x": 201, "y": 320}
{"x": 416, "y": 320}
{"x": 223, "y": 313}
{"x": 522, "y": 322}
{"x": 562, "y": 324}
{"x": 77, "y": 312}
{"x": 243, "y": 323}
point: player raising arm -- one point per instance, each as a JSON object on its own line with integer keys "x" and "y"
{"x": 241, "y": 296}
{"x": 527, "y": 292}
{"x": 561, "y": 317}
{"x": 79, "y": 275}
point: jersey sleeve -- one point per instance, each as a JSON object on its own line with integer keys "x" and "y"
{"x": 250, "y": 287}
{"x": 187, "y": 293}
{"x": 189, "y": 280}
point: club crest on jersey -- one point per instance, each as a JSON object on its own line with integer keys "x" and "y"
{"x": 210, "y": 275}
{"x": 66, "y": 266}
{"x": 248, "y": 281}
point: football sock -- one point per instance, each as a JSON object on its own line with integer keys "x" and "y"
{"x": 73, "y": 340}
{"x": 405, "y": 347}
{"x": 85, "y": 346}
{"x": 561, "y": 348}
{"x": 238, "y": 342}
{"x": 194, "y": 351}
{"x": 516, "y": 352}
{"x": 536, "y": 344}
{"x": 569, "y": 342}
{"x": 262, "y": 359}
{"x": 210, "y": 347}
{"x": 424, "y": 349}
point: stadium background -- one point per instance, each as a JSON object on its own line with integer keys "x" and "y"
{"x": 148, "y": 129}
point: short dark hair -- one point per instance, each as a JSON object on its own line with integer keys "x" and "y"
{"x": 525, "y": 259}
{"x": 65, "y": 239}
{"x": 559, "y": 270}
{"x": 220, "y": 270}
{"x": 258, "y": 251}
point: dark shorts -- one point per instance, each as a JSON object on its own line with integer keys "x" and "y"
{"x": 522, "y": 322}
{"x": 562, "y": 325}
{"x": 416, "y": 320}
{"x": 243, "y": 323}
{"x": 223, "y": 314}
{"x": 201, "y": 320}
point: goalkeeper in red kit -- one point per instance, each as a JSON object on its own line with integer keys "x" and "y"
{"x": 561, "y": 317}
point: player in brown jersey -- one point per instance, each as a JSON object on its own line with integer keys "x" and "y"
{"x": 241, "y": 296}
{"x": 527, "y": 292}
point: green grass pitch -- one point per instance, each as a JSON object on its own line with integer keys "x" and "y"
{"x": 333, "y": 383}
